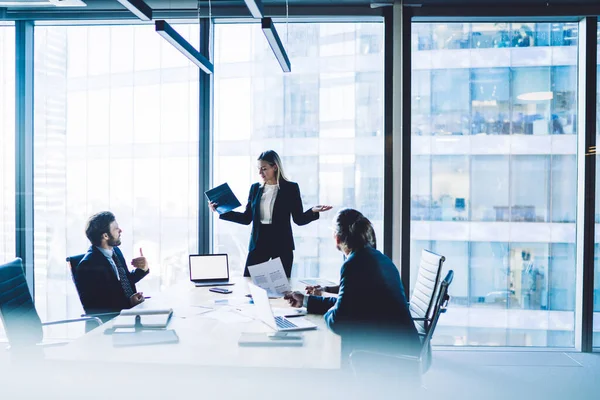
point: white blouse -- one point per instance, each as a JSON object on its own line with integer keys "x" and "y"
{"x": 266, "y": 203}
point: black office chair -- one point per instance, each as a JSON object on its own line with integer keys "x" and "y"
{"x": 368, "y": 365}
{"x": 20, "y": 319}
{"x": 73, "y": 263}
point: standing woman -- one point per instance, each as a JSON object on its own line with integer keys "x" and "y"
{"x": 270, "y": 206}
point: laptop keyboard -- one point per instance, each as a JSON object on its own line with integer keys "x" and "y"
{"x": 284, "y": 323}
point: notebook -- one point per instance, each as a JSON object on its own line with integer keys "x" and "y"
{"x": 278, "y": 339}
{"x": 146, "y": 318}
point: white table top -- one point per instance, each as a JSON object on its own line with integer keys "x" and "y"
{"x": 209, "y": 338}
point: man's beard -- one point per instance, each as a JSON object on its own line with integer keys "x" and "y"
{"x": 112, "y": 241}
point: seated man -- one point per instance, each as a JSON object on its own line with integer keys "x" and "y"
{"x": 371, "y": 311}
{"x": 318, "y": 290}
{"x": 103, "y": 281}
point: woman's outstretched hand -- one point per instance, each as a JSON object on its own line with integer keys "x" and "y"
{"x": 212, "y": 206}
{"x": 318, "y": 209}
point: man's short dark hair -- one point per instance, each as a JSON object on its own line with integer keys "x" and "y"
{"x": 97, "y": 225}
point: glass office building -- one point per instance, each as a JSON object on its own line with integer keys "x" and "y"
{"x": 494, "y": 176}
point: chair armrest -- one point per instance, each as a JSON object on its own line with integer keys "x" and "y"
{"x": 108, "y": 314}
{"x": 67, "y": 321}
{"x": 421, "y": 319}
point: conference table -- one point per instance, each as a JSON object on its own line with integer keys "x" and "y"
{"x": 206, "y": 362}
{"x": 209, "y": 325}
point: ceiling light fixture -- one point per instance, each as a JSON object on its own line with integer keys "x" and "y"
{"x": 276, "y": 45}
{"x": 170, "y": 35}
{"x": 139, "y": 8}
{"x": 255, "y": 7}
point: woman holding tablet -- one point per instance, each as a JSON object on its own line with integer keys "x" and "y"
{"x": 270, "y": 206}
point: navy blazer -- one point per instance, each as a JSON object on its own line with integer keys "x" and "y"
{"x": 287, "y": 203}
{"x": 99, "y": 289}
{"x": 371, "y": 311}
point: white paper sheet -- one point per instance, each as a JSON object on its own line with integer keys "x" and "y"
{"x": 271, "y": 277}
{"x": 228, "y": 316}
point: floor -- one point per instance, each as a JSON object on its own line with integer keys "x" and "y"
{"x": 513, "y": 375}
{"x": 461, "y": 374}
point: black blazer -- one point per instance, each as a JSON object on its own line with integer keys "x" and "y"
{"x": 287, "y": 203}
{"x": 99, "y": 289}
{"x": 371, "y": 311}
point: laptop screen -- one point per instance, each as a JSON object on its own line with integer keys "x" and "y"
{"x": 209, "y": 267}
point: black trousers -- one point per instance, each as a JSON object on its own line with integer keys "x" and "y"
{"x": 268, "y": 248}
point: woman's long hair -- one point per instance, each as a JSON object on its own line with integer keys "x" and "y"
{"x": 272, "y": 158}
{"x": 354, "y": 230}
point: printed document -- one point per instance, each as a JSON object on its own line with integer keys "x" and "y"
{"x": 271, "y": 277}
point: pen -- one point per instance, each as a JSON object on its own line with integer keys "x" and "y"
{"x": 147, "y": 297}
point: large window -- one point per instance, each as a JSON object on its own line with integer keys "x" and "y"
{"x": 333, "y": 95}
{"x": 596, "y": 323}
{"x": 7, "y": 145}
{"x": 116, "y": 128}
{"x": 494, "y": 177}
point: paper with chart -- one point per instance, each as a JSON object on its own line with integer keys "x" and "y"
{"x": 271, "y": 277}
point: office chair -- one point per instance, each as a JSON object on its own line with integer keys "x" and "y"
{"x": 73, "y": 263}
{"x": 368, "y": 365}
{"x": 19, "y": 316}
{"x": 424, "y": 296}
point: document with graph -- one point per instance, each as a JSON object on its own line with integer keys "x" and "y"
{"x": 271, "y": 277}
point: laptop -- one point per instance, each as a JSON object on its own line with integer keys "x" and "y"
{"x": 279, "y": 323}
{"x": 209, "y": 270}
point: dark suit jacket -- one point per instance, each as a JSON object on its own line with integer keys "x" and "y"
{"x": 371, "y": 311}
{"x": 99, "y": 289}
{"x": 287, "y": 203}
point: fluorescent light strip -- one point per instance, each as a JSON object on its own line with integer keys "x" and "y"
{"x": 21, "y": 4}
{"x": 275, "y": 43}
{"x": 166, "y": 31}
{"x": 139, "y": 8}
{"x": 255, "y": 7}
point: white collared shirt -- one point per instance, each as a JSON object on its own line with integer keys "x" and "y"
{"x": 109, "y": 254}
{"x": 267, "y": 201}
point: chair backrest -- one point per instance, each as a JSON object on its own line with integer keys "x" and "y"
{"x": 73, "y": 263}
{"x": 441, "y": 305}
{"x": 423, "y": 296}
{"x": 407, "y": 369}
{"x": 21, "y": 321}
